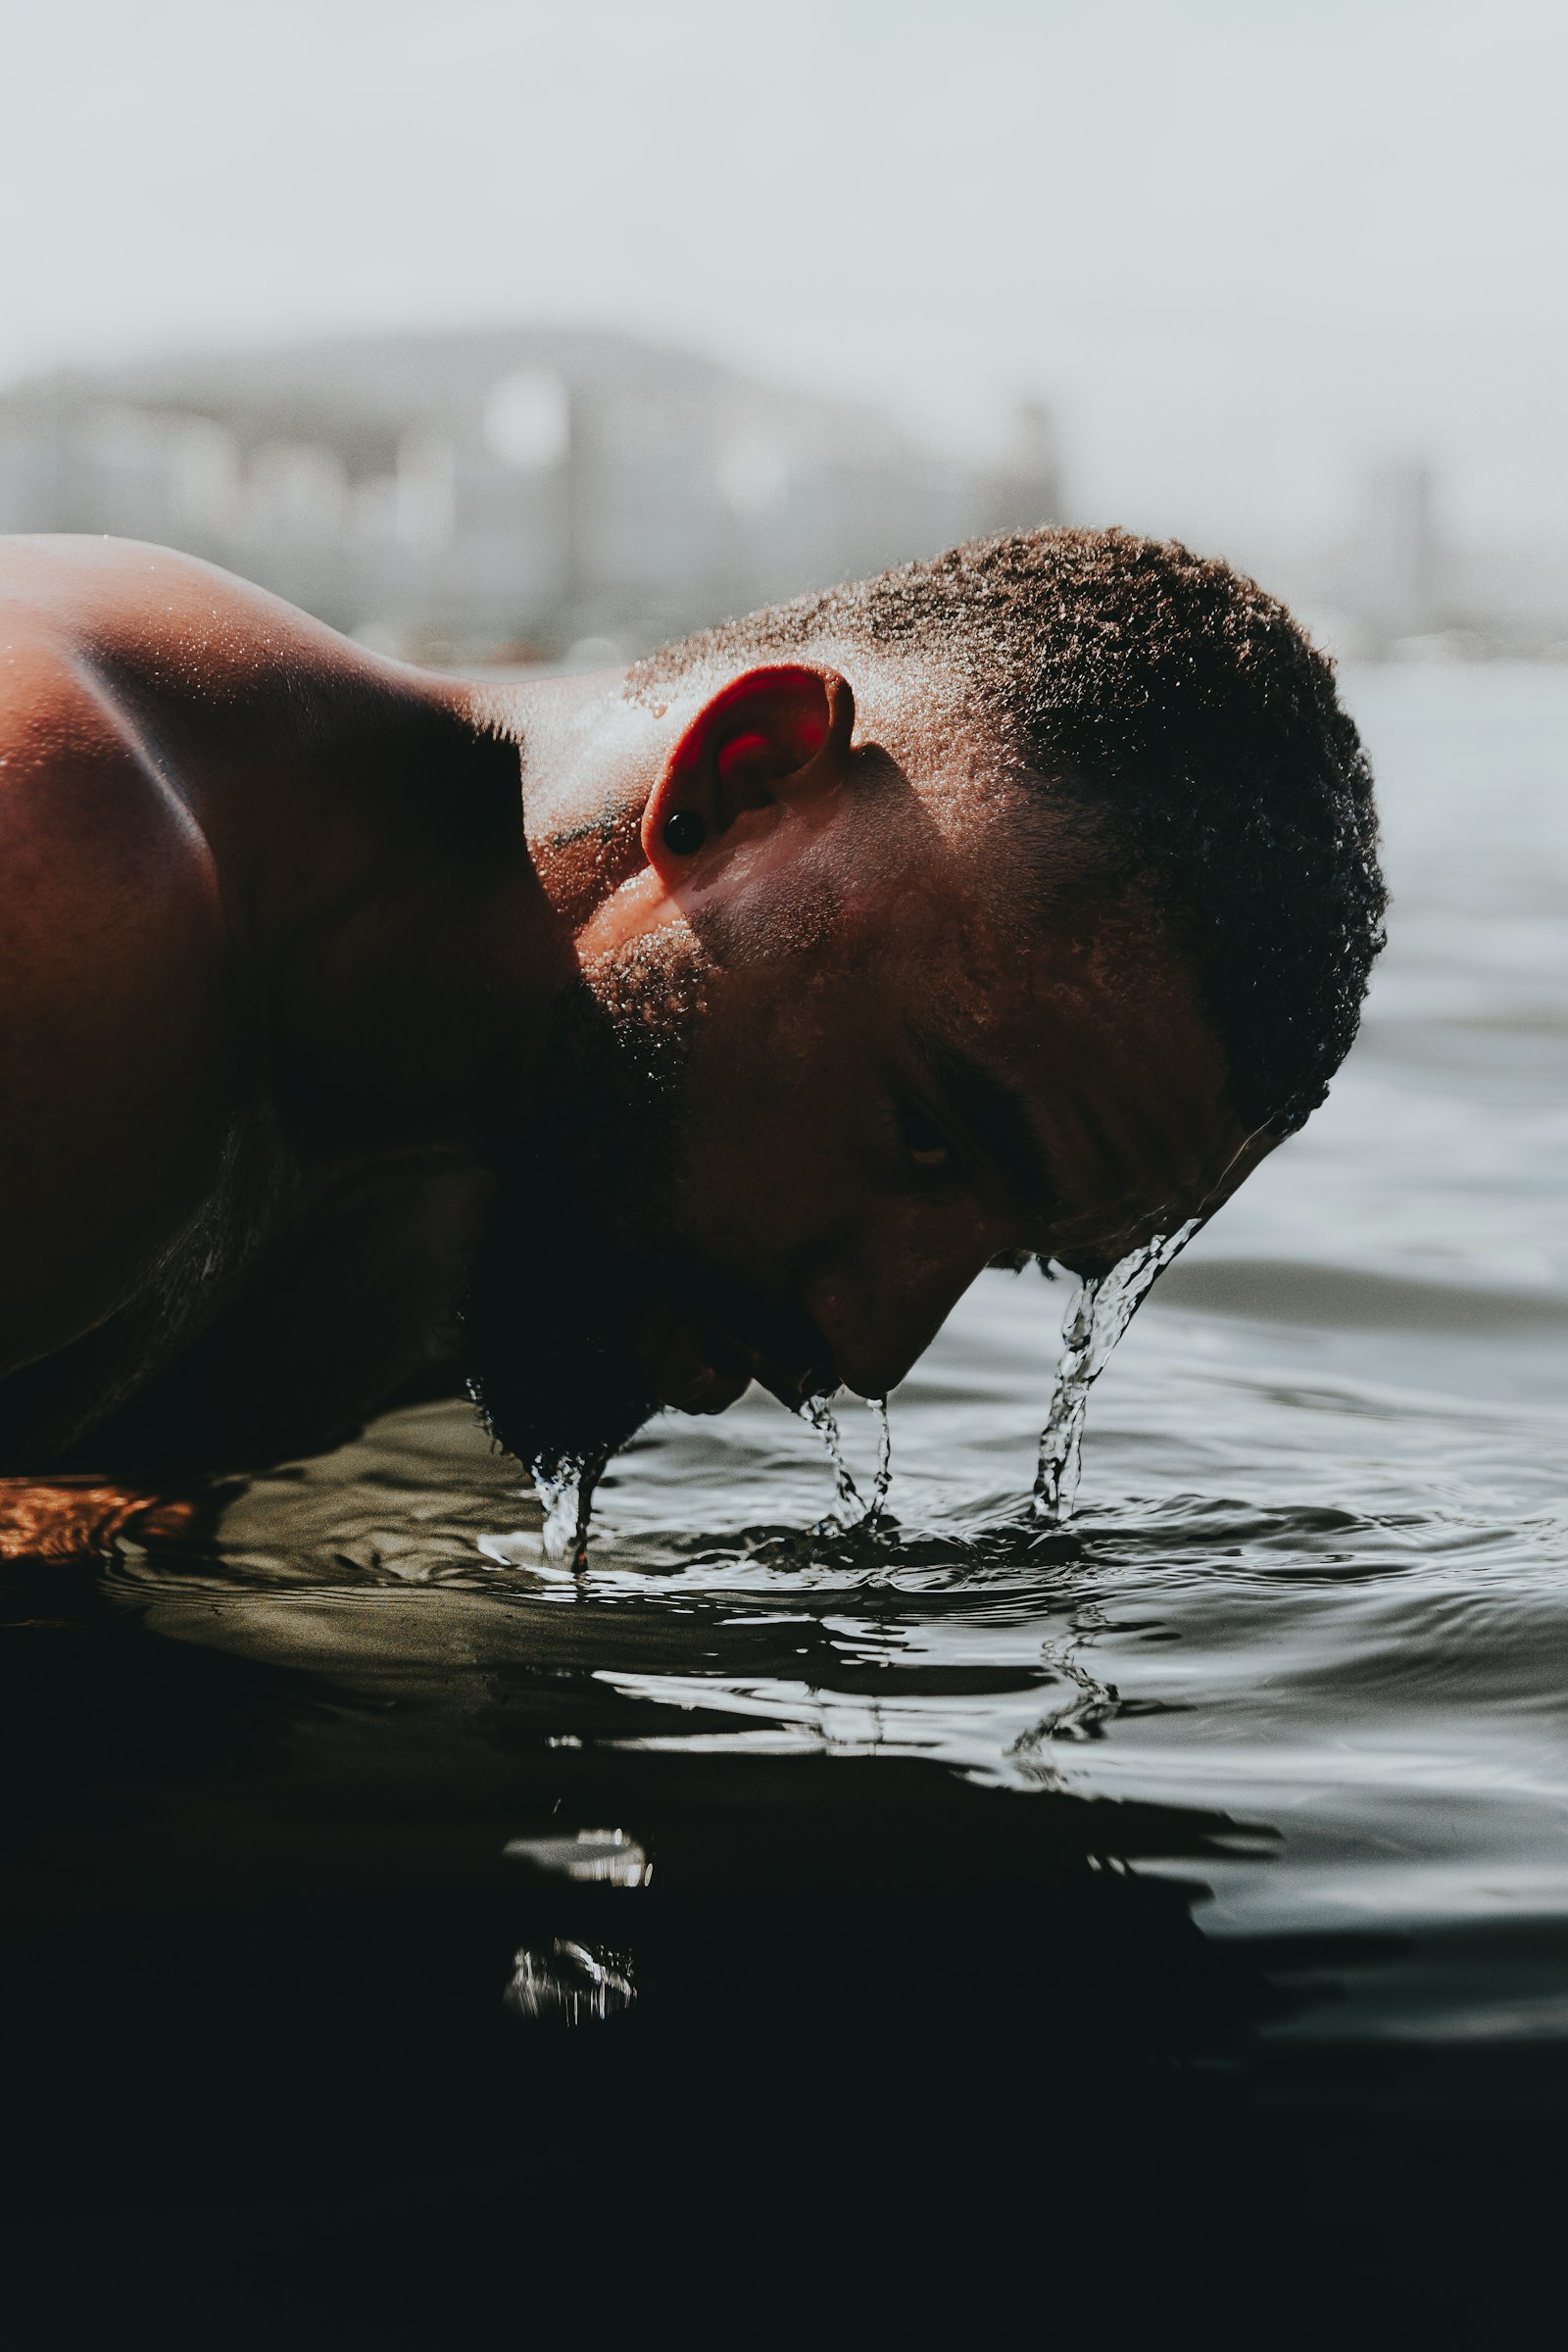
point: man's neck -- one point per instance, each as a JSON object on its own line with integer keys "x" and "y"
{"x": 408, "y": 953}
{"x": 420, "y": 964}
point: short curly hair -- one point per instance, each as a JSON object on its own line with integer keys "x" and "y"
{"x": 1197, "y": 734}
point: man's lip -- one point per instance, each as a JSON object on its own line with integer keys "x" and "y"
{"x": 697, "y": 1376}
{"x": 699, "y": 1350}
{"x": 791, "y": 1381}
{"x": 793, "y": 1386}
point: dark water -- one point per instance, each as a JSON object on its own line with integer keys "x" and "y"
{"x": 1245, "y": 1794}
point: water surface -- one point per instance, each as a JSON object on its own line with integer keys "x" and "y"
{"x": 1253, "y": 1780}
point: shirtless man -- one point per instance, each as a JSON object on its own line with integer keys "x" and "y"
{"x": 609, "y": 1043}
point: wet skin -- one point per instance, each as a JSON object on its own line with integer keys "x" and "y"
{"x": 283, "y": 919}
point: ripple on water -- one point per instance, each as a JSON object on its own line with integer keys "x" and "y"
{"x": 1298, "y": 1648}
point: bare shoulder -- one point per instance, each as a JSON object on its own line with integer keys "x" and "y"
{"x": 117, "y": 1035}
{"x": 166, "y": 619}
{"x": 252, "y": 680}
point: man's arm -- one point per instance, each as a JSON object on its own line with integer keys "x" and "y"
{"x": 117, "y": 1081}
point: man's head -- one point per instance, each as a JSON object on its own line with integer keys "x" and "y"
{"x": 1014, "y": 902}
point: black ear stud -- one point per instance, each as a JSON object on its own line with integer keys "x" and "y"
{"x": 685, "y": 832}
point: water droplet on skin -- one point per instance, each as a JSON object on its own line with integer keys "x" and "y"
{"x": 1098, "y": 1313}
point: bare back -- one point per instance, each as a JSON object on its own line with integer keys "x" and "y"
{"x": 164, "y": 735}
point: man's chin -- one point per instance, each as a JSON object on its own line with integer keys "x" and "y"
{"x": 691, "y": 1371}
{"x": 571, "y": 1346}
{"x": 555, "y": 1449}
{"x": 557, "y": 1419}
{"x": 707, "y": 1392}
{"x": 556, "y": 1425}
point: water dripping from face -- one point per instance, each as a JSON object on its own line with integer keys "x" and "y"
{"x": 1097, "y": 1315}
{"x": 853, "y": 1509}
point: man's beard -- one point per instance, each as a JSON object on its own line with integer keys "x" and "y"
{"x": 576, "y": 1249}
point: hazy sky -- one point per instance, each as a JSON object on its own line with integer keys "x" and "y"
{"x": 1244, "y": 245}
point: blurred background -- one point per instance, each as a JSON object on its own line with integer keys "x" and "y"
{"x": 496, "y": 332}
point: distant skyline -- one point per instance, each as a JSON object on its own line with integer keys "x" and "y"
{"x": 1243, "y": 250}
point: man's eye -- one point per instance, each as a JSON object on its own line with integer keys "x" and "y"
{"x": 924, "y": 1141}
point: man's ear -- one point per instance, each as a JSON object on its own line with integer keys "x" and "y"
{"x": 774, "y": 736}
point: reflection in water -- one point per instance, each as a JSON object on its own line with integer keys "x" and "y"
{"x": 66, "y": 1518}
{"x": 569, "y": 1985}
{"x": 592, "y": 1858}
{"x": 1083, "y": 1714}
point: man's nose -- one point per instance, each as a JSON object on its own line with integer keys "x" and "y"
{"x": 880, "y": 1315}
